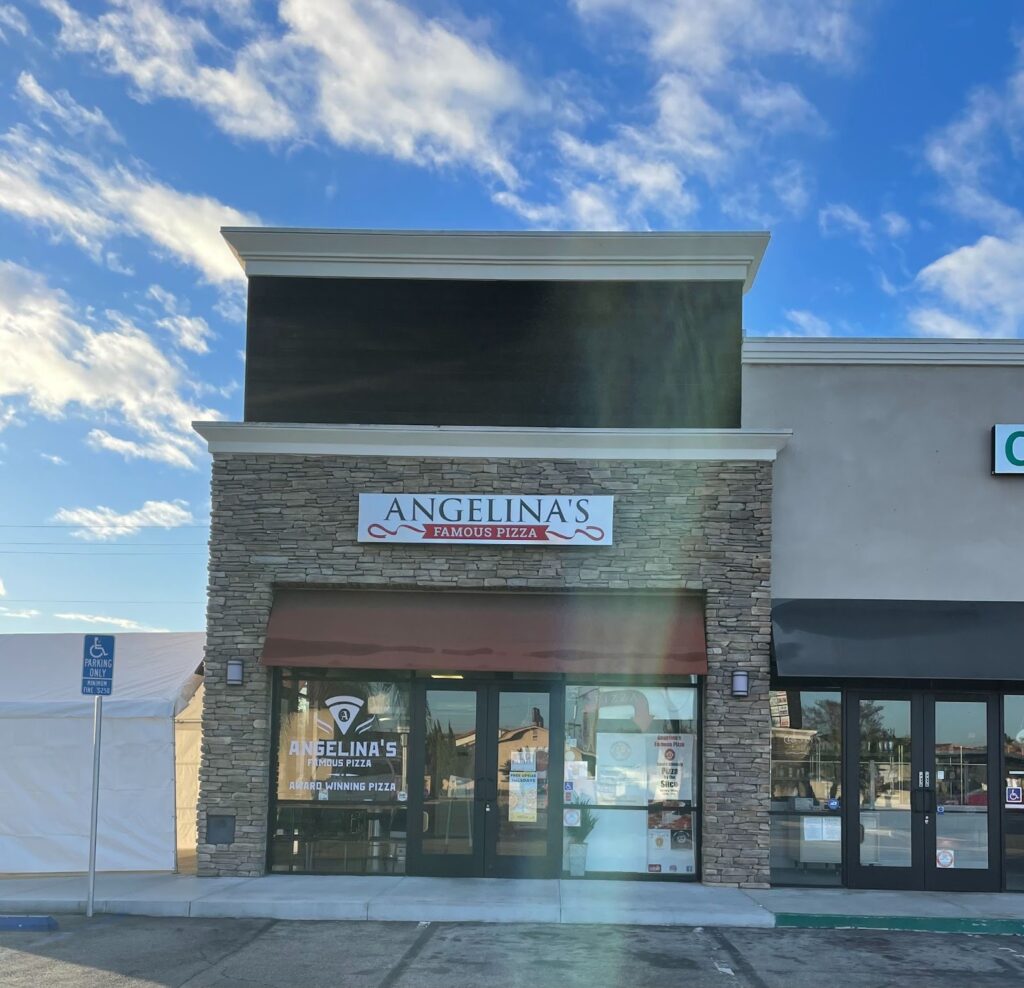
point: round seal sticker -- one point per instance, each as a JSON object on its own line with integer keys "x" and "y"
{"x": 620, "y": 750}
{"x": 944, "y": 858}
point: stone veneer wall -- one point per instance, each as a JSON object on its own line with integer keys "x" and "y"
{"x": 694, "y": 526}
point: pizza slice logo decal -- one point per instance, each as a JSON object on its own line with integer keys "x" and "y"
{"x": 345, "y": 711}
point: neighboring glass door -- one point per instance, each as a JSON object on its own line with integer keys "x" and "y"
{"x": 488, "y": 757}
{"x": 523, "y": 811}
{"x": 446, "y": 825}
{"x": 922, "y": 776}
{"x": 884, "y": 833}
{"x": 962, "y": 836}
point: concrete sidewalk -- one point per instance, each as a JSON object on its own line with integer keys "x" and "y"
{"x": 398, "y": 898}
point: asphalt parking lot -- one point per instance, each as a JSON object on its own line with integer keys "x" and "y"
{"x": 134, "y": 951}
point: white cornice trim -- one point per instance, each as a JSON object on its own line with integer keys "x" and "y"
{"x": 472, "y": 442}
{"x": 828, "y": 350}
{"x": 484, "y": 256}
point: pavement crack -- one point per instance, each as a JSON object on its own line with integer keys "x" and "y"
{"x": 738, "y": 961}
{"x": 260, "y": 930}
{"x": 391, "y": 978}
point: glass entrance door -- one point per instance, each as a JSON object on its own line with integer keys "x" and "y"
{"x": 922, "y": 774}
{"x": 488, "y": 756}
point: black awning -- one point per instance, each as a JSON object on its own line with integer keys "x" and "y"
{"x": 899, "y": 639}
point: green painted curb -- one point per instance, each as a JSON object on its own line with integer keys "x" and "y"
{"x": 921, "y": 924}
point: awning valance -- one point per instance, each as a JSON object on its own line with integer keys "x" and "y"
{"x": 649, "y": 634}
{"x": 898, "y": 639}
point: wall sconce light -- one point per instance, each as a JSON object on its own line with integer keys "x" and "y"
{"x": 740, "y": 683}
{"x": 235, "y": 674}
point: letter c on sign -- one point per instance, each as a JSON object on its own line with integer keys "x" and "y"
{"x": 1010, "y": 440}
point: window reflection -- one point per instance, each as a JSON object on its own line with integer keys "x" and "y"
{"x": 806, "y": 787}
{"x": 342, "y": 774}
{"x": 630, "y": 770}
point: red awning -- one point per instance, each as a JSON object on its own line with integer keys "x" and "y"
{"x": 638, "y": 634}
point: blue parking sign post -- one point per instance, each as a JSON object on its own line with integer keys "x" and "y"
{"x": 97, "y": 682}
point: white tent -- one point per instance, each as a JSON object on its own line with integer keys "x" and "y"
{"x": 46, "y": 745}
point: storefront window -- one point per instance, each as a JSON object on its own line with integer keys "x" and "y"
{"x": 630, "y": 780}
{"x": 806, "y": 780}
{"x": 1013, "y": 810}
{"x": 342, "y": 775}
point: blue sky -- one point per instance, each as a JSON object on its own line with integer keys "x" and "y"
{"x": 879, "y": 141}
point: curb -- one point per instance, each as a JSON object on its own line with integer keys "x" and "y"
{"x": 10, "y": 923}
{"x": 920, "y": 924}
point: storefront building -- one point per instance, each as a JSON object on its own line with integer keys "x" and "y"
{"x": 897, "y": 698}
{"x": 524, "y": 563}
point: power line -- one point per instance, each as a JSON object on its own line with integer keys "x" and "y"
{"x": 96, "y": 545}
{"x": 102, "y": 555}
{"x": 81, "y": 526}
{"x": 83, "y": 600}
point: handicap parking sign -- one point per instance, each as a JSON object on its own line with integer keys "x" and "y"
{"x": 1014, "y": 796}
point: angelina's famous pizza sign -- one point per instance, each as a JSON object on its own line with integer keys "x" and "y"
{"x": 512, "y": 519}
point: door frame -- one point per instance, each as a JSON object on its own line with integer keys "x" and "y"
{"x": 483, "y": 861}
{"x": 922, "y": 873}
{"x": 866, "y": 876}
{"x": 968, "y": 879}
{"x": 417, "y": 861}
{"x": 508, "y": 866}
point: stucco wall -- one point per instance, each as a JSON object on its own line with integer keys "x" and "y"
{"x": 885, "y": 490}
{"x": 290, "y": 520}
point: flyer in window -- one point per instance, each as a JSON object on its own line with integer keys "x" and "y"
{"x": 670, "y": 768}
{"x": 522, "y": 797}
{"x": 621, "y": 771}
{"x": 669, "y": 842}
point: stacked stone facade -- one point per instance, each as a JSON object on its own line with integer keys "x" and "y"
{"x": 695, "y": 526}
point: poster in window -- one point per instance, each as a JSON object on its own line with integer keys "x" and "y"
{"x": 621, "y": 772}
{"x": 333, "y": 748}
{"x": 522, "y": 797}
{"x": 670, "y": 768}
{"x": 669, "y": 842}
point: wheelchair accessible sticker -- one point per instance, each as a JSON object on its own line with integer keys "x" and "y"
{"x": 1015, "y": 797}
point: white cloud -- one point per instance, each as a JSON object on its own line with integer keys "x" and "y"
{"x": 929, "y": 321}
{"x": 21, "y": 614}
{"x": 710, "y": 37}
{"x": 90, "y": 204}
{"x": 840, "y": 218}
{"x": 57, "y": 461}
{"x": 982, "y": 279}
{"x": 390, "y": 80}
{"x": 54, "y": 363}
{"x": 895, "y": 224}
{"x": 159, "y": 452}
{"x": 159, "y": 52}
{"x": 712, "y": 105}
{"x": 807, "y": 323}
{"x": 3, "y": 589}
{"x": 962, "y": 154}
{"x": 188, "y": 332}
{"x": 790, "y": 186}
{"x": 13, "y": 20}
{"x": 370, "y": 74}
{"x": 779, "y": 107}
{"x": 65, "y": 109}
{"x": 975, "y": 288}
{"x": 124, "y": 624}
{"x": 102, "y": 524}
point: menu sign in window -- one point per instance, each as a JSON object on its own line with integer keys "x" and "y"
{"x": 636, "y": 769}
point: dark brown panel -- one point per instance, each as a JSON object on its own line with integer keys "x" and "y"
{"x": 898, "y": 639}
{"x": 541, "y": 354}
{"x": 650, "y": 634}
